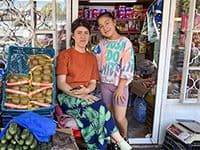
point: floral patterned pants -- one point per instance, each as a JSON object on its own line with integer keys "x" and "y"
{"x": 93, "y": 119}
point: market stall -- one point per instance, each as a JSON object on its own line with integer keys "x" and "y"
{"x": 165, "y": 35}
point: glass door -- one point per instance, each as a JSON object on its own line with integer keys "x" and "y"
{"x": 184, "y": 76}
{"x": 190, "y": 89}
{"x": 38, "y": 23}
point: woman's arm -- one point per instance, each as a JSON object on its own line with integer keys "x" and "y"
{"x": 86, "y": 90}
{"x": 66, "y": 88}
{"x": 92, "y": 86}
{"x": 63, "y": 86}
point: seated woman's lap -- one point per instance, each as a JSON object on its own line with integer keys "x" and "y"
{"x": 93, "y": 119}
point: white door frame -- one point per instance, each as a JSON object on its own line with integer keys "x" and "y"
{"x": 69, "y": 14}
{"x": 75, "y": 7}
{"x": 160, "y": 91}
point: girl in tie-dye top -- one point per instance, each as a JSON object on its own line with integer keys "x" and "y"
{"x": 115, "y": 57}
{"x": 115, "y": 60}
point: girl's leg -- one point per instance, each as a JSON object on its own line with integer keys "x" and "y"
{"x": 107, "y": 91}
{"x": 119, "y": 112}
{"x": 120, "y": 118}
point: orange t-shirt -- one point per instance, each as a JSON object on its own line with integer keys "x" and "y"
{"x": 79, "y": 68}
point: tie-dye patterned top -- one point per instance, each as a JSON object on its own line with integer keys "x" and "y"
{"x": 115, "y": 60}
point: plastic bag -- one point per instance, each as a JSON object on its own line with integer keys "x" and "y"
{"x": 41, "y": 127}
{"x": 140, "y": 109}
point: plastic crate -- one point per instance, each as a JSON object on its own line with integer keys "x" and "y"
{"x": 5, "y": 118}
{"x": 39, "y": 111}
{"x": 173, "y": 143}
{"x": 17, "y": 63}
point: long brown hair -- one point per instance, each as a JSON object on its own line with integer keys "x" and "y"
{"x": 79, "y": 22}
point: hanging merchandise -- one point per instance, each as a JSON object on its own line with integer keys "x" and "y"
{"x": 3, "y": 58}
{"x": 197, "y": 16}
{"x": 2, "y": 67}
{"x": 142, "y": 44}
{"x": 197, "y": 20}
{"x": 152, "y": 34}
{"x": 158, "y": 14}
{"x": 144, "y": 30}
{"x": 184, "y": 15}
{"x": 1, "y": 77}
{"x": 154, "y": 20}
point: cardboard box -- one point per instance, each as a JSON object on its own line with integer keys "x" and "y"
{"x": 64, "y": 139}
{"x": 137, "y": 87}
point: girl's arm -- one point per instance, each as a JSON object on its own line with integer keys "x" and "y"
{"x": 122, "y": 83}
{"x": 127, "y": 62}
{"x": 120, "y": 89}
{"x": 127, "y": 70}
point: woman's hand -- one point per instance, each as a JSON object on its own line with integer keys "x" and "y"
{"x": 88, "y": 97}
{"x": 118, "y": 95}
{"x": 81, "y": 91}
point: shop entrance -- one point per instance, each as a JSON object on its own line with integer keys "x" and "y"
{"x": 51, "y": 28}
{"x": 141, "y": 23}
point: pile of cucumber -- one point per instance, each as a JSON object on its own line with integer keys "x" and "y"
{"x": 18, "y": 138}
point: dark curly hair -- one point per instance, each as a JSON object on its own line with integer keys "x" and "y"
{"x": 79, "y": 22}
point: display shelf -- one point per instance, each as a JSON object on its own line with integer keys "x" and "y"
{"x": 119, "y": 20}
{"x": 129, "y": 17}
{"x": 114, "y": 2}
{"x": 121, "y": 32}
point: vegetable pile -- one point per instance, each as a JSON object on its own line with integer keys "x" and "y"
{"x": 18, "y": 138}
{"x": 34, "y": 90}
